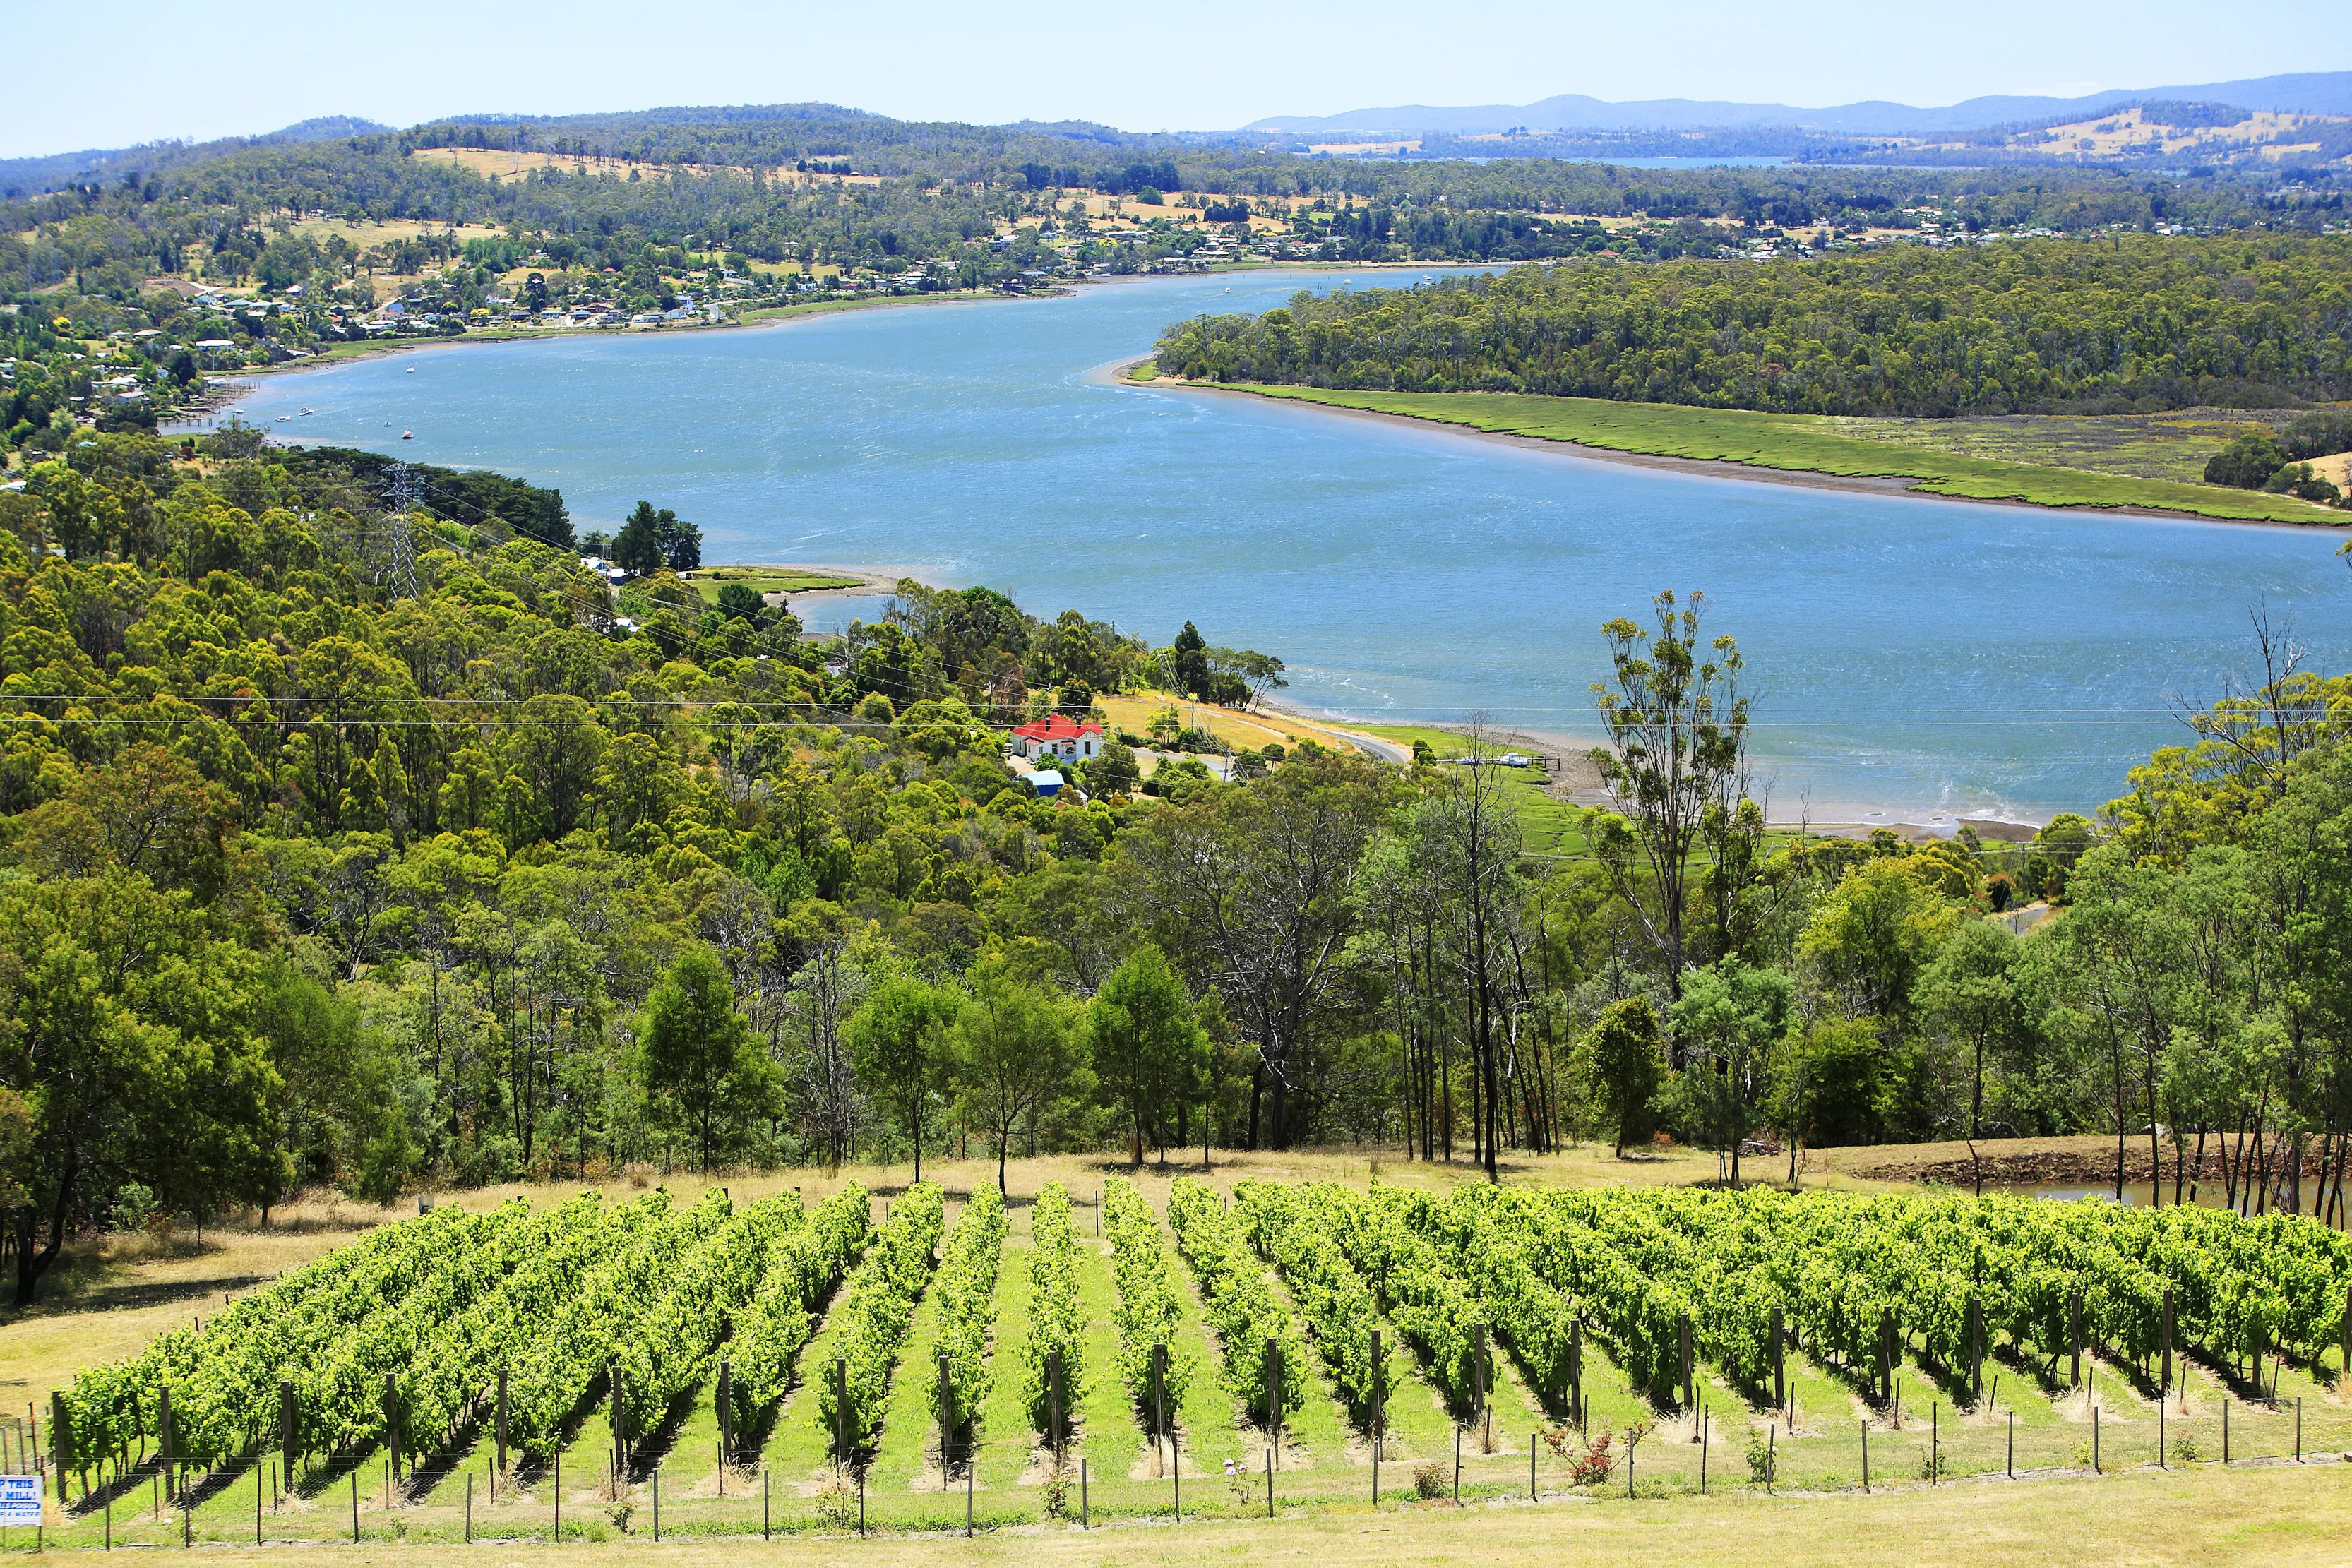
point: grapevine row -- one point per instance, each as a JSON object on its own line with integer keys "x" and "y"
{"x": 966, "y": 1284}
{"x": 1238, "y": 1298}
{"x": 1056, "y": 1325}
{"x": 802, "y": 1270}
{"x": 1337, "y": 1304}
{"x": 878, "y": 1310}
{"x": 675, "y": 1345}
{"x": 1149, "y": 1308}
{"x": 563, "y": 1362}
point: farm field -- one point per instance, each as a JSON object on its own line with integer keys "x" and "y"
{"x": 1426, "y": 1331}
{"x": 2115, "y": 463}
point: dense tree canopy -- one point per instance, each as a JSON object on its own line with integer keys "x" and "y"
{"x": 2030, "y": 325}
{"x": 305, "y": 880}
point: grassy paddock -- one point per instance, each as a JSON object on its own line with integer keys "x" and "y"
{"x": 1802, "y": 442}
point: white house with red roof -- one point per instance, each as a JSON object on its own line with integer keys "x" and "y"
{"x": 1058, "y": 735}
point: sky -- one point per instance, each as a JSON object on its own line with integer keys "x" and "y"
{"x": 179, "y": 70}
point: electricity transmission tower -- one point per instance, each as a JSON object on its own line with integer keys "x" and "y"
{"x": 403, "y": 490}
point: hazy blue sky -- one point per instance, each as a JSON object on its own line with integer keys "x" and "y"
{"x": 157, "y": 71}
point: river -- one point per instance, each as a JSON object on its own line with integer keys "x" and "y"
{"x": 1912, "y": 657}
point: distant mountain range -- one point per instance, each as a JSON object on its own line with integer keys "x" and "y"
{"x": 98, "y": 163}
{"x": 2310, "y": 92}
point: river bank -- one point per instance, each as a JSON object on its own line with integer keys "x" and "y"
{"x": 1775, "y": 450}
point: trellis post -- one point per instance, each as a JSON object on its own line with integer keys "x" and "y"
{"x": 1053, "y": 1389}
{"x": 287, "y": 1433}
{"x": 1273, "y": 1399}
{"x": 2165, "y": 1390}
{"x": 947, "y": 1419}
{"x": 1779, "y": 1367}
{"x": 841, "y": 1410}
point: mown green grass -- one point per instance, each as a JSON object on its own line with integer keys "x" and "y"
{"x": 1548, "y": 826}
{"x": 1801, "y": 443}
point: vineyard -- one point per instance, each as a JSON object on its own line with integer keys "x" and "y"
{"x": 712, "y": 1367}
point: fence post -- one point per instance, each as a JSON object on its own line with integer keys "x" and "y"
{"x": 502, "y": 1421}
{"x": 1380, "y": 1411}
{"x": 1690, "y": 1398}
{"x": 356, "y": 1505}
{"x": 60, "y": 1439}
{"x": 2075, "y": 1331}
{"x": 1531, "y": 1467}
{"x": 163, "y": 1428}
{"x": 1865, "y": 1451}
{"x": 1780, "y": 1368}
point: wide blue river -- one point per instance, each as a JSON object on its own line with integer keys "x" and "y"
{"x": 1912, "y": 657}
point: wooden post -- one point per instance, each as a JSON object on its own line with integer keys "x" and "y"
{"x": 2166, "y": 1388}
{"x": 1273, "y": 1399}
{"x": 1976, "y": 1329}
{"x": 1576, "y": 1372}
{"x": 1380, "y": 1411}
{"x": 502, "y": 1421}
{"x": 2074, "y": 1332}
{"x": 841, "y": 1410}
{"x": 469, "y": 1508}
{"x": 1478, "y": 1387}
{"x": 657, "y": 1504}
{"x": 1780, "y": 1364}
{"x": 1865, "y": 1453}
{"x": 163, "y": 1428}
{"x": 391, "y": 1423}
{"x": 1053, "y": 1395}
{"x": 60, "y": 1439}
{"x": 289, "y": 1429}
{"x": 1690, "y": 1399}
{"x": 620, "y": 1458}
{"x": 726, "y": 1420}
{"x": 1159, "y": 1392}
{"x": 356, "y": 1505}
{"x": 947, "y": 1419}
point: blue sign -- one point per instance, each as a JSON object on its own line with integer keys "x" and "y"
{"x": 20, "y": 1500}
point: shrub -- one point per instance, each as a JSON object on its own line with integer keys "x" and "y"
{"x": 2247, "y": 462}
{"x": 1429, "y": 1480}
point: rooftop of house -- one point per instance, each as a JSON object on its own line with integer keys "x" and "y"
{"x": 1056, "y": 727}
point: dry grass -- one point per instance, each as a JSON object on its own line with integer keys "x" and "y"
{"x": 2279, "y": 1517}
{"x": 1255, "y": 730}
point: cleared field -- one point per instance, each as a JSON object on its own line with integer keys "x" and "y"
{"x": 710, "y": 579}
{"x": 1429, "y": 1262}
{"x": 1254, "y": 731}
{"x": 1802, "y": 442}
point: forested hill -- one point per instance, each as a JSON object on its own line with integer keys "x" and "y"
{"x": 2127, "y": 323}
{"x": 317, "y": 867}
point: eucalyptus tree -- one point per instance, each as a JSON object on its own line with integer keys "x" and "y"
{"x": 1675, "y": 767}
